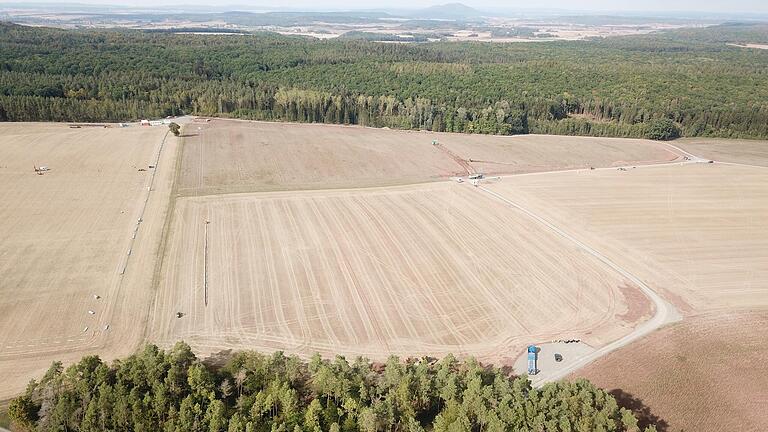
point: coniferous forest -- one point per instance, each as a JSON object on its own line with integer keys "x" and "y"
{"x": 156, "y": 390}
{"x": 624, "y": 86}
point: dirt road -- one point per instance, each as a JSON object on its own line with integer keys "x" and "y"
{"x": 665, "y": 313}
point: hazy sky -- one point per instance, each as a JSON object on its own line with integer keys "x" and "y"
{"x": 758, "y": 6}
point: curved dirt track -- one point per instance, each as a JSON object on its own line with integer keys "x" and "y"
{"x": 659, "y": 223}
{"x": 664, "y": 314}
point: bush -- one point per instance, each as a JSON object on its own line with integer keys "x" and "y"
{"x": 662, "y": 130}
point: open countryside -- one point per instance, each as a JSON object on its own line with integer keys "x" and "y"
{"x": 308, "y": 269}
{"x": 237, "y": 231}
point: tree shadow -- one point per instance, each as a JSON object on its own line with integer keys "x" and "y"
{"x": 508, "y": 370}
{"x": 645, "y": 416}
{"x": 219, "y": 359}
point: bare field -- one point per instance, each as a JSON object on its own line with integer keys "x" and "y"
{"x": 337, "y": 239}
{"x": 239, "y": 156}
{"x": 708, "y": 373}
{"x": 228, "y": 156}
{"x": 695, "y": 233}
{"x": 426, "y": 269}
{"x": 65, "y": 238}
{"x": 752, "y": 152}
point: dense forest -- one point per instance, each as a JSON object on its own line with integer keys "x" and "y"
{"x": 624, "y": 86}
{"x": 157, "y": 390}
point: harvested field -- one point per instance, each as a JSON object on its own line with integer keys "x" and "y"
{"x": 708, "y": 373}
{"x": 228, "y": 156}
{"x": 409, "y": 270}
{"x": 537, "y": 153}
{"x": 751, "y": 152}
{"x": 695, "y": 233}
{"x": 294, "y": 259}
{"x": 65, "y": 238}
{"x": 238, "y": 156}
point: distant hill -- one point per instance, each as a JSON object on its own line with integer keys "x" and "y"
{"x": 452, "y": 11}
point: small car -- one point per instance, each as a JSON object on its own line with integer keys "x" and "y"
{"x": 558, "y": 357}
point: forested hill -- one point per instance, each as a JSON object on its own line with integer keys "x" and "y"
{"x": 612, "y": 87}
{"x": 156, "y": 390}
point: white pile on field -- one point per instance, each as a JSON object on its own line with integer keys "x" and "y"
{"x": 65, "y": 238}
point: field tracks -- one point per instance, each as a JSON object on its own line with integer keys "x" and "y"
{"x": 205, "y": 263}
{"x": 664, "y": 314}
{"x": 170, "y": 212}
{"x": 323, "y": 252}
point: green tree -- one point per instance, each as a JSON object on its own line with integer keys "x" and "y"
{"x": 23, "y": 412}
{"x": 172, "y": 390}
{"x": 662, "y": 130}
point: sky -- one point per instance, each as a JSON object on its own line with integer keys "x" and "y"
{"x": 757, "y": 6}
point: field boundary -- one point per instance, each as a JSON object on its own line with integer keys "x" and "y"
{"x": 162, "y": 246}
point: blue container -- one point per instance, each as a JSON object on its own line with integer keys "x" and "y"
{"x": 532, "y": 357}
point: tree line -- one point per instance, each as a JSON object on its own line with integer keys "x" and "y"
{"x": 609, "y": 87}
{"x": 157, "y": 390}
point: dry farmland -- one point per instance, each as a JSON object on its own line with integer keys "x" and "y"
{"x": 328, "y": 270}
{"x": 696, "y": 233}
{"x": 705, "y": 374}
{"x": 334, "y": 239}
{"x": 751, "y": 152}
{"x": 237, "y": 156}
{"x": 427, "y": 269}
{"x": 65, "y": 238}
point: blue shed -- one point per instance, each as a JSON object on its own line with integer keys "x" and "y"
{"x": 533, "y": 351}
